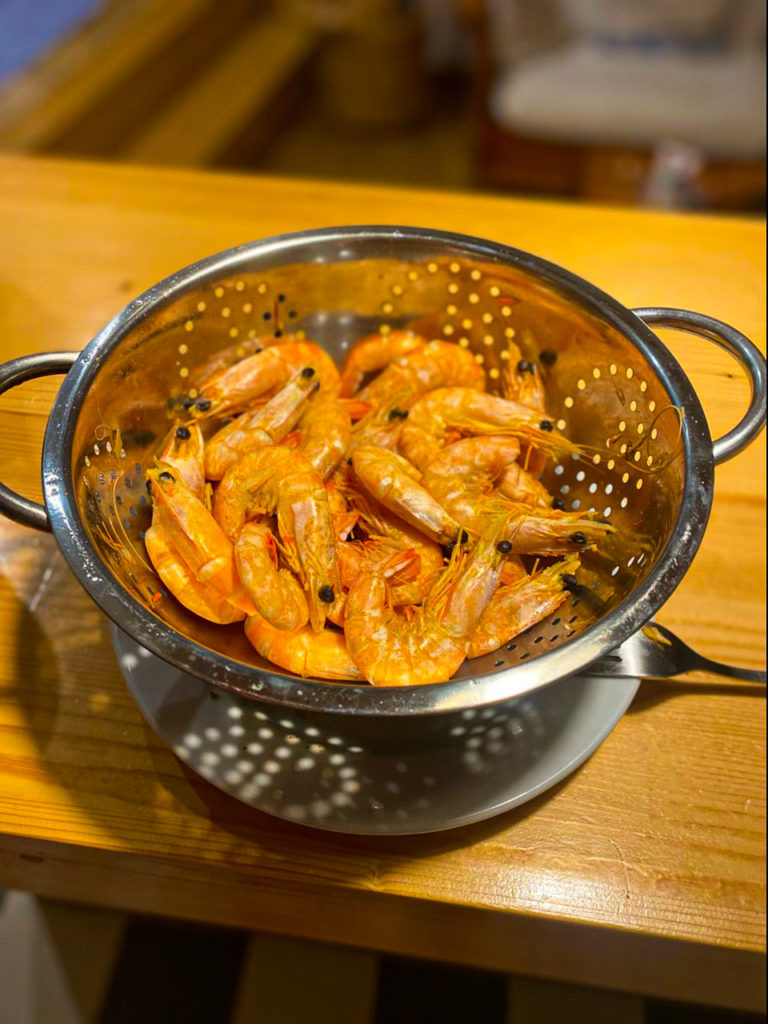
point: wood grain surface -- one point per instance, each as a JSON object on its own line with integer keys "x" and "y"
{"x": 644, "y": 871}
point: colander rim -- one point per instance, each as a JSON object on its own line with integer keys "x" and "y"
{"x": 573, "y": 656}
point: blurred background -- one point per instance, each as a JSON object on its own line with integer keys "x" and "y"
{"x": 658, "y": 103}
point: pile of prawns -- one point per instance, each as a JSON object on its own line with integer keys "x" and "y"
{"x": 375, "y": 532}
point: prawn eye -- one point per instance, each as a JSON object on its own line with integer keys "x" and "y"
{"x": 504, "y": 547}
{"x": 189, "y": 402}
{"x": 325, "y": 593}
{"x": 203, "y": 404}
{"x": 570, "y": 582}
{"x": 165, "y": 475}
{"x": 308, "y": 372}
{"x": 548, "y": 357}
{"x": 524, "y": 366}
{"x": 397, "y": 414}
{"x": 546, "y": 425}
{"x": 183, "y": 433}
{"x": 559, "y": 504}
{"x": 578, "y": 538}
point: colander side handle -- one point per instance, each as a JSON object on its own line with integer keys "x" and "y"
{"x": 742, "y": 349}
{"x": 17, "y": 371}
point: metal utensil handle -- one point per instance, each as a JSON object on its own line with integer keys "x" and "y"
{"x": 683, "y": 658}
{"x": 655, "y": 652}
{"x": 719, "y": 668}
{"x": 16, "y": 371}
{"x": 742, "y": 349}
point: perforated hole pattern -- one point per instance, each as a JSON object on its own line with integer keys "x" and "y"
{"x": 601, "y": 393}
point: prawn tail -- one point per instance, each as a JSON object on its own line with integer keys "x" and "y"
{"x": 356, "y": 408}
{"x": 401, "y": 567}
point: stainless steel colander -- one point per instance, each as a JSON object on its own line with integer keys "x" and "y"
{"x": 613, "y": 387}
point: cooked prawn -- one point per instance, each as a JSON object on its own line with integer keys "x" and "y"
{"x": 521, "y": 381}
{"x": 393, "y": 481}
{"x": 380, "y": 427}
{"x": 262, "y": 373}
{"x": 457, "y": 411}
{"x": 355, "y": 556}
{"x": 184, "y": 450}
{"x": 279, "y": 480}
{"x": 344, "y": 518}
{"x": 469, "y": 470}
{"x": 539, "y": 531}
{"x": 227, "y": 357}
{"x": 275, "y": 592}
{"x": 521, "y": 486}
{"x": 464, "y": 473}
{"x": 181, "y": 581}
{"x": 385, "y": 528}
{"x": 400, "y": 567}
{"x": 325, "y": 430}
{"x": 462, "y": 477}
{"x": 424, "y": 644}
{"x": 514, "y": 608}
{"x": 267, "y": 425}
{"x": 373, "y": 353}
{"x": 198, "y": 538}
{"x": 436, "y": 364}
{"x": 297, "y": 354}
{"x": 320, "y": 655}
{"x": 384, "y": 534}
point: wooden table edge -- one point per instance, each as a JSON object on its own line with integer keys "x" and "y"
{"x": 536, "y": 945}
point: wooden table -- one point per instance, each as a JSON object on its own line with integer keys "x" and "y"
{"x": 643, "y": 872}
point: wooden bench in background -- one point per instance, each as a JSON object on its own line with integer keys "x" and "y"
{"x": 190, "y": 82}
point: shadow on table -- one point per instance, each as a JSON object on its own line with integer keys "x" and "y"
{"x": 96, "y": 745}
{"x": 245, "y": 822}
{"x": 653, "y": 692}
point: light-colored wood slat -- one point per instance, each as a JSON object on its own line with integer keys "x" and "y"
{"x": 104, "y": 84}
{"x": 293, "y": 982}
{"x": 39, "y": 103}
{"x": 644, "y": 872}
{"x": 56, "y": 959}
{"x": 530, "y": 1001}
{"x": 225, "y": 98}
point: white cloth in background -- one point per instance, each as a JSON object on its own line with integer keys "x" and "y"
{"x": 589, "y": 94}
